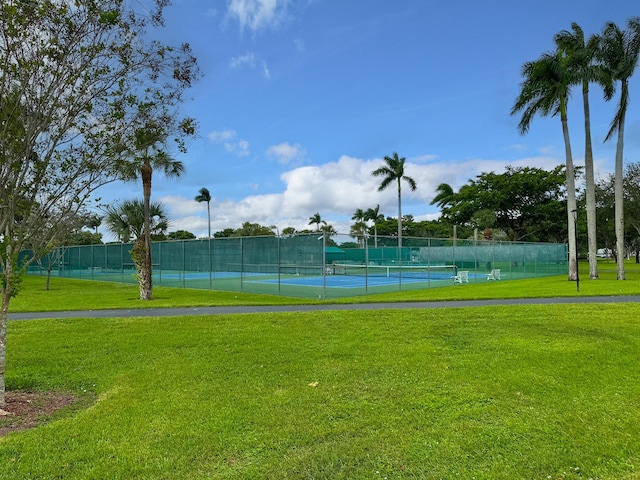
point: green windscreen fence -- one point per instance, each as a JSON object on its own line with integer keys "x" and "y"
{"x": 313, "y": 265}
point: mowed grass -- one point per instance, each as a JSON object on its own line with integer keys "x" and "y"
{"x": 73, "y": 294}
{"x": 530, "y": 391}
{"x": 485, "y": 392}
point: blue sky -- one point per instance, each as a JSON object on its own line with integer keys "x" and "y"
{"x": 301, "y": 100}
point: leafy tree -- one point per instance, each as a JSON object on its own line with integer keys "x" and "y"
{"x": 581, "y": 56}
{"x": 349, "y": 245}
{"x": 84, "y": 237}
{"x": 205, "y": 196}
{"x": 545, "y": 90}
{"x": 70, "y": 77}
{"x": 393, "y": 171}
{"x": 227, "y": 232}
{"x": 388, "y": 230}
{"x": 618, "y": 52}
{"x": 288, "y": 231}
{"x": 180, "y": 235}
{"x": 252, "y": 230}
{"x": 69, "y": 232}
{"x": 605, "y": 193}
{"x": 525, "y": 202}
{"x": 435, "y": 229}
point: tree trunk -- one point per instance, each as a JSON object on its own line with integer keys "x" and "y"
{"x": 145, "y": 275}
{"x": 619, "y": 190}
{"x": 399, "y": 221}
{"x": 209, "y": 217}
{"x": 138, "y": 254}
{"x": 49, "y": 268}
{"x": 4, "y": 316}
{"x": 590, "y": 196}
{"x": 571, "y": 199}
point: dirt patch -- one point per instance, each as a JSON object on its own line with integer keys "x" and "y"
{"x": 24, "y": 410}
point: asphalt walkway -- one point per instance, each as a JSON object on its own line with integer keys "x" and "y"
{"x": 180, "y": 311}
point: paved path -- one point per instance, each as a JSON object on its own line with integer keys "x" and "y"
{"x": 160, "y": 312}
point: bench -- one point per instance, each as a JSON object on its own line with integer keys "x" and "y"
{"x": 494, "y": 275}
{"x": 461, "y": 277}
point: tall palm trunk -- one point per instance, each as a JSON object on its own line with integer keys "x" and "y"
{"x": 399, "y": 219}
{"x": 146, "y": 287}
{"x": 590, "y": 195}
{"x": 571, "y": 196}
{"x": 618, "y": 187}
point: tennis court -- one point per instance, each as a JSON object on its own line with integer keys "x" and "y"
{"x": 311, "y": 266}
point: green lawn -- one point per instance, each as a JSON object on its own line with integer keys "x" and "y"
{"x": 542, "y": 391}
{"x": 70, "y": 294}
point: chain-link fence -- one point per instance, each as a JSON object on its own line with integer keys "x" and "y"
{"x": 312, "y": 265}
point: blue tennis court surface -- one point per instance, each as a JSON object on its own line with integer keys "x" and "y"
{"x": 347, "y": 281}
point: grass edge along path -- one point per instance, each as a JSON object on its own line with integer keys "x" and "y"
{"x": 71, "y": 294}
{"x": 481, "y": 392}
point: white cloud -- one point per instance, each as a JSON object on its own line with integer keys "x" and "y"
{"x": 335, "y": 190}
{"x": 183, "y": 207}
{"x": 221, "y": 136}
{"x": 286, "y": 153}
{"x": 239, "y": 148}
{"x": 256, "y": 15}
{"x": 246, "y": 60}
{"x": 265, "y": 71}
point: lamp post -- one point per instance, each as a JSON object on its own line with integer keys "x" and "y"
{"x": 574, "y": 212}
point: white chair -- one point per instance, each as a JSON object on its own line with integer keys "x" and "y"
{"x": 461, "y": 277}
{"x": 494, "y": 275}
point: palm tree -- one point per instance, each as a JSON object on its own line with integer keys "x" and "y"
{"x": 545, "y": 90}
{"x": 581, "y": 56}
{"x": 94, "y": 221}
{"x": 393, "y": 171}
{"x": 444, "y": 195}
{"x": 359, "y": 229}
{"x": 205, "y": 196}
{"x": 618, "y": 53}
{"x": 375, "y": 216}
{"x": 317, "y": 220}
{"x": 127, "y": 220}
{"x": 358, "y": 215}
{"x": 148, "y": 155}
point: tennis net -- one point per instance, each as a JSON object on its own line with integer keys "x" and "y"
{"x": 427, "y": 272}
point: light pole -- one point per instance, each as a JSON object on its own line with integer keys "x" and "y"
{"x": 574, "y": 212}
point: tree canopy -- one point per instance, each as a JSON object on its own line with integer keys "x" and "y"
{"x": 77, "y": 79}
{"x": 527, "y": 204}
